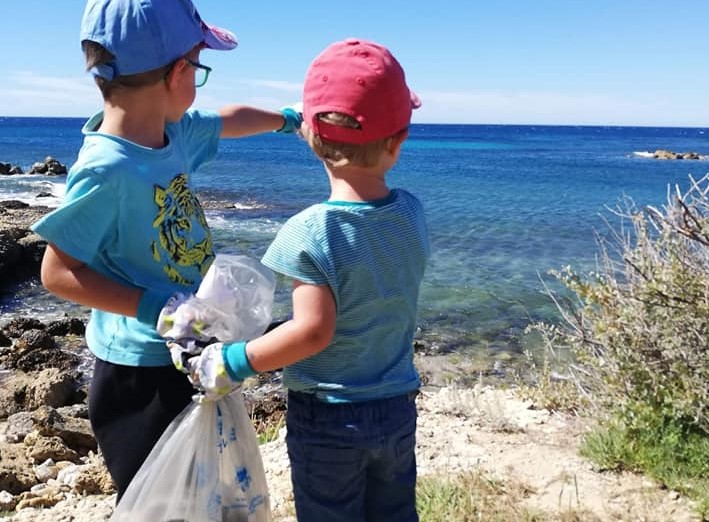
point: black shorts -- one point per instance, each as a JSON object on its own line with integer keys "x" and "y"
{"x": 129, "y": 408}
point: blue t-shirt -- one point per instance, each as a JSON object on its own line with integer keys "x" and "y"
{"x": 372, "y": 255}
{"x": 129, "y": 214}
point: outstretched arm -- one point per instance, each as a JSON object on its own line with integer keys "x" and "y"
{"x": 241, "y": 120}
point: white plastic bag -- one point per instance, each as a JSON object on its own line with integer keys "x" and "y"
{"x": 236, "y": 296}
{"x": 239, "y": 293}
{"x": 206, "y": 467}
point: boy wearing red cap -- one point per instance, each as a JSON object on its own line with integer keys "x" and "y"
{"x": 357, "y": 261}
{"x": 130, "y": 232}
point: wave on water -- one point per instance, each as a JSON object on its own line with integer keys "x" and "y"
{"x": 644, "y": 154}
{"x": 33, "y": 189}
{"x": 249, "y": 206}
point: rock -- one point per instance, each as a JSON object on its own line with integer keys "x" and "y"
{"x": 33, "y": 358}
{"x": 80, "y": 411}
{"x": 87, "y": 479}
{"x": 51, "y": 448}
{"x": 93, "y": 479}
{"x": 35, "y": 339}
{"x": 19, "y": 425}
{"x": 50, "y": 166}
{"x": 38, "y": 168}
{"x": 10, "y": 256}
{"x": 21, "y": 250}
{"x": 664, "y": 154}
{"x": 75, "y": 432}
{"x": 16, "y": 327}
{"x": 39, "y": 502}
{"x": 46, "y": 471}
{"x": 16, "y": 473}
{"x": 67, "y": 326}
{"x": 7, "y": 501}
{"x": 6, "y": 169}
{"x": 13, "y": 204}
{"x": 33, "y": 247}
{"x": 28, "y": 391}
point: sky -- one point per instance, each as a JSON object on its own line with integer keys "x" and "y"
{"x": 556, "y": 62}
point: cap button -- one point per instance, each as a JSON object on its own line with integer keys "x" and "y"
{"x": 352, "y": 41}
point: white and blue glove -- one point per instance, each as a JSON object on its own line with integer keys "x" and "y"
{"x": 183, "y": 317}
{"x": 216, "y": 371}
{"x": 174, "y": 316}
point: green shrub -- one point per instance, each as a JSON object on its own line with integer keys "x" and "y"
{"x": 636, "y": 334}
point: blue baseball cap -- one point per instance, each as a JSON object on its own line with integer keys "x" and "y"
{"x": 147, "y": 34}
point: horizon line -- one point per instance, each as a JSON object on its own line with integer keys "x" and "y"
{"x": 479, "y": 124}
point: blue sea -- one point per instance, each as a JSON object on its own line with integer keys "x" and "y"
{"x": 505, "y": 204}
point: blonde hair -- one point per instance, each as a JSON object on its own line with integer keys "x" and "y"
{"x": 338, "y": 154}
{"x": 96, "y": 54}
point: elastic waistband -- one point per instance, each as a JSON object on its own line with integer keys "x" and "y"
{"x": 308, "y": 406}
{"x": 312, "y": 398}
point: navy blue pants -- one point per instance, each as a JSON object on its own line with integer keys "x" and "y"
{"x": 352, "y": 462}
{"x": 129, "y": 408}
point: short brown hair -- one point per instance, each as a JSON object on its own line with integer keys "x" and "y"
{"x": 338, "y": 154}
{"x": 96, "y": 54}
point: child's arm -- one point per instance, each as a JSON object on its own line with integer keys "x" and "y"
{"x": 71, "y": 279}
{"x": 307, "y": 333}
{"x": 240, "y": 120}
{"x": 75, "y": 281}
{"x": 219, "y": 366}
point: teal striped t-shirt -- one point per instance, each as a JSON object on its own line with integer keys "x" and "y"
{"x": 372, "y": 255}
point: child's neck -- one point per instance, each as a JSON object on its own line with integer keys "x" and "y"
{"x": 354, "y": 184}
{"x": 139, "y": 119}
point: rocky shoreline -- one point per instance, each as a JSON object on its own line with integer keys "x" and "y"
{"x": 48, "y": 454}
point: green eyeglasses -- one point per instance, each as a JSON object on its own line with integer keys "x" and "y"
{"x": 201, "y": 72}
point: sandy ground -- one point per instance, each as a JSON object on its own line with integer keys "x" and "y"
{"x": 471, "y": 429}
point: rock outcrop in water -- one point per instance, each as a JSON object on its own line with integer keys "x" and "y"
{"x": 21, "y": 250}
{"x": 668, "y": 154}
{"x": 48, "y": 167}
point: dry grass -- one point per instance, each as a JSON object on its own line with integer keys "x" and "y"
{"x": 478, "y": 497}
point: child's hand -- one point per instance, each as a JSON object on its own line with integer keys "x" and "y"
{"x": 206, "y": 371}
{"x": 181, "y": 318}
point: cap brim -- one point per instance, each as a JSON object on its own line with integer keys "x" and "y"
{"x": 218, "y": 38}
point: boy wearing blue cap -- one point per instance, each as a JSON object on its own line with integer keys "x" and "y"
{"x": 130, "y": 232}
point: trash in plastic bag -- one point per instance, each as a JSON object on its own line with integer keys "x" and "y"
{"x": 238, "y": 291}
{"x": 207, "y": 467}
{"x": 234, "y": 300}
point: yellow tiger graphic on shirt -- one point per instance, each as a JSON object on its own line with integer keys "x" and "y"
{"x": 179, "y": 209}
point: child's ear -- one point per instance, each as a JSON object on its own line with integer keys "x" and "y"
{"x": 175, "y": 72}
{"x": 396, "y": 141}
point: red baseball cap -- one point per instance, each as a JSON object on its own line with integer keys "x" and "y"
{"x": 363, "y": 80}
